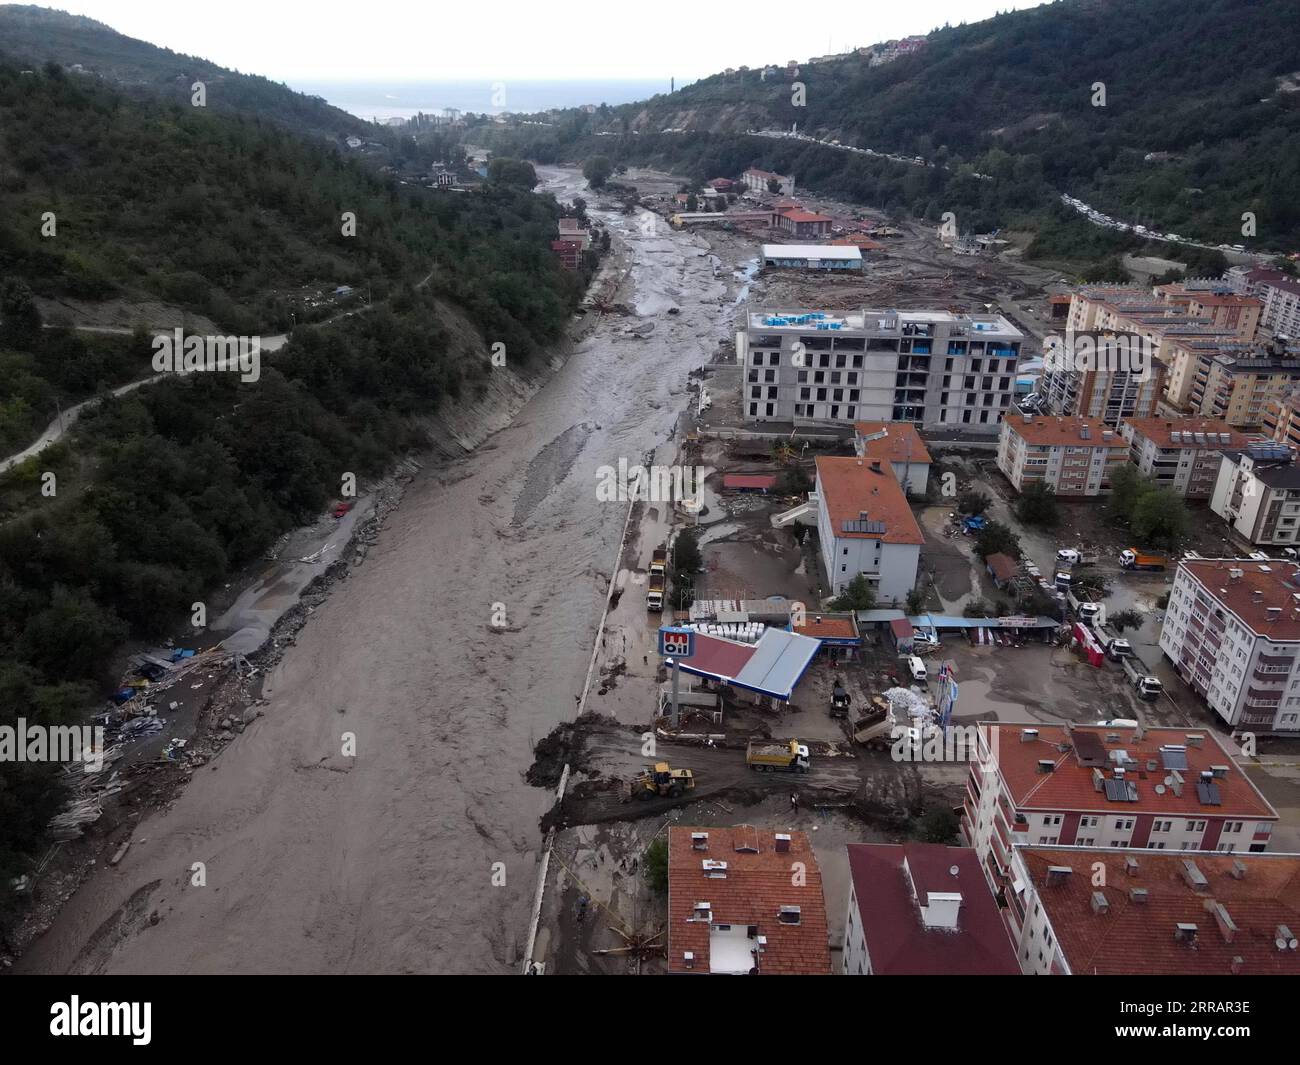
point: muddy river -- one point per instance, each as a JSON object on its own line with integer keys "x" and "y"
{"x": 419, "y": 853}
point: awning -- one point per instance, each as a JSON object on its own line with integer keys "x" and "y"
{"x": 773, "y": 666}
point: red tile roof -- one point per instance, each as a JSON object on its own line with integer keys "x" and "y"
{"x": 1160, "y": 432}
{"x": 895, "y": 445}
{"x": 1049, "y": 431}
{"x": 898, "y": 942}
{"x": 796, "y": 215}
{"x": 850, "y": 488}
{"x": 1260, "y": 586}
{"x": 1070, "y": 786}
{"x": 1003, "y": 567}
{"x": 1139, "y": 937}
{"x": 757, "y": 884}
{"x": 823, "y": 627}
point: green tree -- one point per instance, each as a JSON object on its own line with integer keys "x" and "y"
{"x": 517, "y": 172}
{"x": 996, "y": 538}
{"x": 973, "y": 502}
{"x": 687, "y": 561}
{"x": 1126, "y": 619}
{"x": 654, "y": 865}
{"x": 937, "y": 825}
{"x": 1037, "y": 505}
{"x": 1126, "y": 486}
{"x": 858, "y": 594}
{"x": 597, "y": 170}
{"x": 915, "y": 601}
{"x": 1161, "y": 518}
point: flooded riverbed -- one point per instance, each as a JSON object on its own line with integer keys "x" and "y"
{"x": 462, "y": 641}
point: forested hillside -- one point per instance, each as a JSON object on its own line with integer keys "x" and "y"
{"x": 1202, "y": 87}
{"x": 168, "y": 491}
{"x": 34, "y": 36}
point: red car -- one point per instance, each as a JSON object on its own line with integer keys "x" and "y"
{"x": 342, "y": 509}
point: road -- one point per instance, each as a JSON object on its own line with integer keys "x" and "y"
{"x": 59, "y": 428}
{"x": 419, "y": 853}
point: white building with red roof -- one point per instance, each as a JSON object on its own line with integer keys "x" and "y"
{"x": 866, "y": 526}
{"x": 1102, "y": 786}
{"x": 1232, "y": 631}
{"x": 1124, "y": 912}
{"x": 922, "y": 909}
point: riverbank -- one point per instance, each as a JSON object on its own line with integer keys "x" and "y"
{"x": 375, "y": 818}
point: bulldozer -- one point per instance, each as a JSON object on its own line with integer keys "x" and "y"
{"x": 659, "y": 781}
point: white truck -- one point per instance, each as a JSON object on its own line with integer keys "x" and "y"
{"x": 1085, "y": 610}
{"x": 1147, "y": 686}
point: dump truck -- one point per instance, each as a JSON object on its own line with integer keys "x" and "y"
{"x": 782, "y": 756}
{"x": 1068, "y": 557}
{"x": 876, "y": 732}
{"x": 661, "y": 781}
{"x": 1085, "y": 610}
{"x": 839, "y": 700}
{"x": 1147, "y": 686}
{"x": 654, "y": 593}
{"x": 1132, "y": 558}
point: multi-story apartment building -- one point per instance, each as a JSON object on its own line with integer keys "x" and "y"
{"x": 1107, "y": 786}
{"x": 1239, "y": 388}
{"x": 1110, "y": 394}
{"x": 1086, "y": 911}
{"x": 1282, "y": 420}
{"x": 758, "y": 181}
{"x": 1228, "y": 310}
{"x": 1171, "y": 324}
{"x": 1257, "y": 493}
{"x": 933, "y": 368}
{"x": 865, "y": 526}
{"x": 1073, "y": 456}
{"x": 921, "y": 909}
{"x": 1232, "y": 630}
{"x": 1180, "y": 453}
{"x": 1281, "y": 314}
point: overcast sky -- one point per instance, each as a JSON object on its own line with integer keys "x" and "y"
{"x": 435, "y": 40}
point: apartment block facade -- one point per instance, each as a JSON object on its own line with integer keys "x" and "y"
{"x": 1073, "y": 456}
{"x": 1098, "y": 786}
{"x": 1181, "y": 453}
{"x": 935, "y": 369}
{"x": 1257, "y": 493}
{"x": 1232, "y": 631}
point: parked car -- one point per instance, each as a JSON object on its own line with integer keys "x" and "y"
{"x": 917, "y": 668}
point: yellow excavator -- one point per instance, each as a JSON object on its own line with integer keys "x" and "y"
{"x": 660, "y": 781}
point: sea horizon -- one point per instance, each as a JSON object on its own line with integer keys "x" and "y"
{"x": 382, "y": 100}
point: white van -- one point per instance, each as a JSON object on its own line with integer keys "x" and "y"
{"x": 917, "y": 668}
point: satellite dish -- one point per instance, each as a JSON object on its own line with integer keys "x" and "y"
{"x": 954, "y": 870}
{"x": 1169, "y": 782}
{"x": 1160, "y": 789}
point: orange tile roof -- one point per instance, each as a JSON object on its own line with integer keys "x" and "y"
{"x": 798, "y": 215}
{"x": 1003, "y": 567}
{"x": 826, "y": 627}
{"x": 894, "y": 446}
{"x": 1271, "y": 580}
{"x": 1049, "y": 431}
{"x": 1139, "y": 937}
{"x": 850, "y": 488}
{"x": 1160, "y": 431}
{"x": 1069, "y": 787}
{"x": 1209, "y": 299}
{"x": 757, "y": 884}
